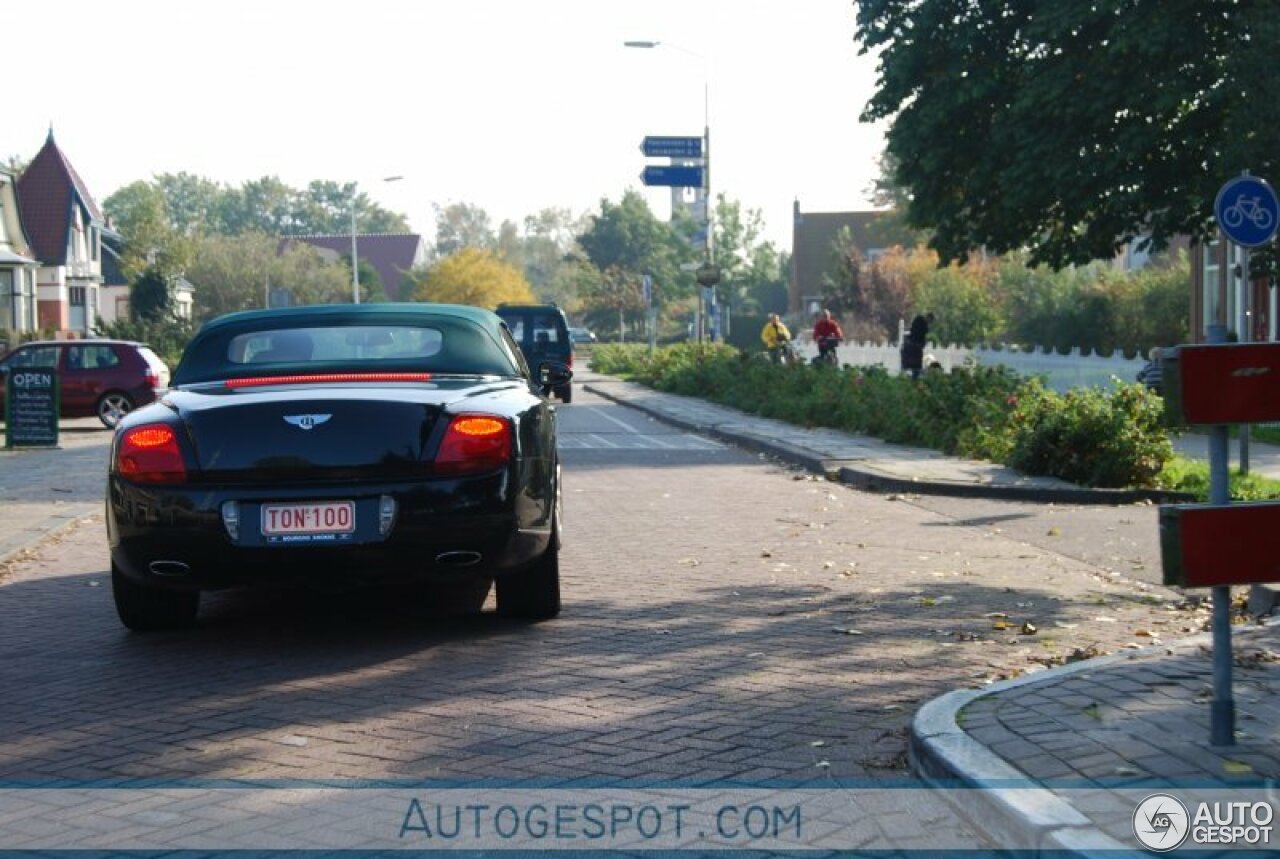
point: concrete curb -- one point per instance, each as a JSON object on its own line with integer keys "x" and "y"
{"x": 980, "y": 783}
{"x": 1034, "y": 818}
{"x": 869, "y": 478}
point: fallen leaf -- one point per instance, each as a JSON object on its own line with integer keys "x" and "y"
{"x": 1000, "y": 624}
{"x": 1029, "y": 628}
{"x": 1144, "y": 633}
{"x": 765, "y": 553}
{"x": 1054, "y": 532}
{"x": 843, "y": 631}
{"x": 688, "y": 562}
{"x": 1236, "y": 767}
{"x": 818, "y": 743}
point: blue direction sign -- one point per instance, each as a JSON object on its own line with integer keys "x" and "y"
{"x": 672, "y": 147}
{"x": 676, "y": 176}
{"x": 1247, "y": 211}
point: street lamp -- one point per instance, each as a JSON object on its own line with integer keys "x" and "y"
{"x": 355, "y": 253}
{"x": 708, "y": 276}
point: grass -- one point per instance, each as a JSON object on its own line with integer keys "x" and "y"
{"x": 1188, "y": 475}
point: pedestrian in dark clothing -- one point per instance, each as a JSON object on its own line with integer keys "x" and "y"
{"x": 913, "y": 344}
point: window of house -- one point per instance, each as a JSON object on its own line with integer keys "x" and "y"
{"x": 7, "y": 322}
{"x": 77, "y": 296}
{"x": 1210, "y": 299}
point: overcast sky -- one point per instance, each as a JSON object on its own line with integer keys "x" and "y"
{"x": 512, "y": 105}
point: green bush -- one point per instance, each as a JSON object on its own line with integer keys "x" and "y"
{"x": 1092, "y": 437}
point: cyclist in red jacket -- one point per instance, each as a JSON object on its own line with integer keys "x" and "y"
{"x": 827, "y": 334}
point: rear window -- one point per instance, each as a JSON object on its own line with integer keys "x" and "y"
{"x": 354, "y": 344}
{"x": 442, "y": 345}
{"x": 536, "y": 327}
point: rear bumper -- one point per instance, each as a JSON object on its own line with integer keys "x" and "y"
{"x": 176, "y": 538}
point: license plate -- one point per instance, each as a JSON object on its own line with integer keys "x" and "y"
{"x": 309, "y": 522}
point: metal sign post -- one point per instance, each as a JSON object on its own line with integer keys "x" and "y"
{"x": 1222, "y": 713}
{"x": 1247, "y": 212}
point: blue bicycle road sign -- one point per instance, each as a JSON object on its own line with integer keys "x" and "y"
{"x": 1247, "y": 211}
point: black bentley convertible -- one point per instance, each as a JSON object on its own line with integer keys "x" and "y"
{"x": 347, "y": 444}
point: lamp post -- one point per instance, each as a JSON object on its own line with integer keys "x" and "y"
{"x": 355, "y": 252}
{"x": 708, "y": 276}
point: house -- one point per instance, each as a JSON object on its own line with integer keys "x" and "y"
{"x": 392, "y": 255}
{"x": 65, "y": 226}
{"x": 812, "y": 239}
{"x": 1218, "y": 294}
{"x": 18, "y": 266}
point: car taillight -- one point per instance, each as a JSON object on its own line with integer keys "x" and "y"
{"x": 569, "y": 362}
{"x": 474, "y": 443}
{"x": 150, "y": 454}
{"x": 153, "y": 380}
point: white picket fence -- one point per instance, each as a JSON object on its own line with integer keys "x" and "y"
{"x": 1072, "y": 370}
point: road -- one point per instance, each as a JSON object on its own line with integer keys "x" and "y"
{"x": 726, "y": 619}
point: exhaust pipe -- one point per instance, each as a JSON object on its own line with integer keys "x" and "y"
{"x": 169, "y": 568}
{"x": 458, "y": 559}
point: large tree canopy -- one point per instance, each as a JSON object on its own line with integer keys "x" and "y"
{"x": 1071, "y": 127}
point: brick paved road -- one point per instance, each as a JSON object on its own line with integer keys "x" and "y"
{"x": 726, "y": 618}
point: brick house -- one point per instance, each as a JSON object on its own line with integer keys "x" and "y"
{"x": 65, "y": 227}
{"x": 812, "y": 237}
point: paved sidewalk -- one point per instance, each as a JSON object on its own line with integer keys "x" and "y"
{"x": 1055, "y": 760}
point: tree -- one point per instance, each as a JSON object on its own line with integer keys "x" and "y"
{"x": 1071, "y": 128}
{"x": 140, "y": 213}
{"x": 473, "y": 276}
{"x": 626, "y": 237}
{"x": 462, "y": 225}
{"x": 150, "y": 296}
{"x": 749, "y": 266}
{"x": 233, "y": 273}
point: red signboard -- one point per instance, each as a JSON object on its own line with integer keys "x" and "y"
{"x": 1230, "y": 383}
{"x": 1205, "y": 545}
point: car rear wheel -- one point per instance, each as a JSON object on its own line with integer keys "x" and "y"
{"x": 143, "y": 609}
{"x": 535, "y": 593}
{"x": 113, "y": 406}
{"x": 565, "y": 393}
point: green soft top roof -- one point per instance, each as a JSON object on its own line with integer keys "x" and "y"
{"x": 356, "y": 313}
{"x": 472, "y": 341}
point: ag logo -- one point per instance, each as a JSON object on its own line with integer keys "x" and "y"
{"x": 306, "y": 422}
{"x": 1161, "y": 822}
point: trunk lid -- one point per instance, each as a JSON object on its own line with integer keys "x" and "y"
{"x": 302, "y": 433}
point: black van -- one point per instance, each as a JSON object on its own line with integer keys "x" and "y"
{"x": 543, "y": 334}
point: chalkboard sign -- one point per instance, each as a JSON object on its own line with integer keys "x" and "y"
{"x": 31, "y": 404}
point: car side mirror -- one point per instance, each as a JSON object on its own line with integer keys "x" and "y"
{"x": 553, "y": 374}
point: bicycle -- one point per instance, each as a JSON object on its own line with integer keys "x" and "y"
{"x": 827, "y": 352}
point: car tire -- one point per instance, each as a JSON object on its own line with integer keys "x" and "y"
{"x": 144, "y": 609}
{"x": 534, "y": 594}
{"x": 565, "y": 394}
{"x": 112, "y": 406}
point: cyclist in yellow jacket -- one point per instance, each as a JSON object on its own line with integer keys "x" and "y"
{"x": 776, "y": 337}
